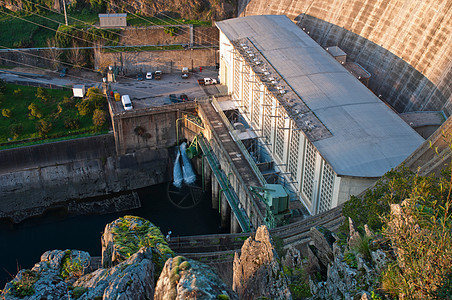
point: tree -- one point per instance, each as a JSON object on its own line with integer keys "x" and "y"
{"x": 6, "y": 113}
{"x": 16, "y": 130}
{"x": 35, "y": 112}
{"x": 53, "y": 53}
{"x": 42, "y": 94}
{"x": 43, "y": 127}
{"x": 99, "y": 118}
{"x": 76, "y": 56}
{"x": 94, "y": 100}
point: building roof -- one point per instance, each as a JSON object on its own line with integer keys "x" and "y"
{"x": 335, "y": 51}
{"x": 112, "y": 15}
{"x": 366, "y": 137}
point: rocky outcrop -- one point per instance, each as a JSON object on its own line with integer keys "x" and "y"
{"x": 125, "y": 236}
{"x": 50, "y": 278}
{"x": 257, "y": 271}
{"x": 183, "y": 278}
{"x": 350, "y": 271}
{"x": 131, "y": 279}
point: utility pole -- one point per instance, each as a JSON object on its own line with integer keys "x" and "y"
{"x": 65, "y": 14}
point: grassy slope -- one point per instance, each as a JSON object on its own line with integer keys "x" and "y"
{"x": 18, "y": 104}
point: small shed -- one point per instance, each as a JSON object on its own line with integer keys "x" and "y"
{"x": 337, "y": 53}
{"x": 113, "y": 20}
{"x": 78, "y": 90}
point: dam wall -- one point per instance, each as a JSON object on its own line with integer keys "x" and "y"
{"x": 405, "y": 45}
{"x": 48, "y": 176}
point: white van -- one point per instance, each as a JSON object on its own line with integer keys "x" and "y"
{"x": 125, "y": 99}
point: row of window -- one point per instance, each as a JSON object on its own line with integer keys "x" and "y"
{"x": 286, "y": 144}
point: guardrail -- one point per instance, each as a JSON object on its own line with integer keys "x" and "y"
{"x": 239, "y": 143}
{"x": 231, "y": 196}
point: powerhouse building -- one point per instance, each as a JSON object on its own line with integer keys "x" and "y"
{"x": 324, "y": 129}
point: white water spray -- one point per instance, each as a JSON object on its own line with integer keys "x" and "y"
{"x": 177, "y": 172}
{"x": 187, "y": 169}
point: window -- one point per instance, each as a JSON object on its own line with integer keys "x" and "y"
{"x": 326, "y": 190}
{"x": 309, "y": 169}
{"x": 293, "y": 153}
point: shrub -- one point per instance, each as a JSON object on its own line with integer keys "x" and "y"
{"x": 71, "y": 123}
{"x": 71, "y": 267}
{"x": 35, "y": 112}
{"x": 68, "y": 102}
{"x": 172, "y": 30}
{"x": 17, "y": 92}
{"x": 16, "y": 130}
{"x": 42, "y": 94}
{"x": 6, "y": 113}
{"x": 24, "y": 286}
{"x": 99, "y": 118}
{"x": 43, "y": 127}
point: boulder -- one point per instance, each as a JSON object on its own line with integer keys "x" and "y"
{"x": 50, "y": 278}
{"x": 183, "y": 278}
{"x": 322, "y": 242}
{"x": 125, "y": 236}
{"x": 257, "y": 272}
{"x": 130, "y": 279}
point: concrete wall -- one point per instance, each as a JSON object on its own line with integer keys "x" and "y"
{"x": 33, "y": 179}
{"x": 166, "y": 60}
{"x": 404, "y": 44}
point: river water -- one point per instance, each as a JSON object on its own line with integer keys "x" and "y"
{"x": 21, "y": 245}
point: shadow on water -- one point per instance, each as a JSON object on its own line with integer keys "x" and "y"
{"x": 22, "y": 244}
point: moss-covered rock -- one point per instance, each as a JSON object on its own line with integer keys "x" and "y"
{"x": 125, "y": 236}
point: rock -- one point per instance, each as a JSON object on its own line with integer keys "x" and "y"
{"x": 257, "y": 272}
{"x": 130, "y": 279}
{"x": 379, "y": 259}
{"x": 322, "y": 240}
{"x": 354, "y": 239}
{"x": 183, "y": 278}
{"x": 50, "y": 278}
{"x": 368, "y": 232}
{"x": 292, "y": 258}
{"x": 125, "y": 236}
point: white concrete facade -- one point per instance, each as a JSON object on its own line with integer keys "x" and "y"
{"x": 317, "y": 183}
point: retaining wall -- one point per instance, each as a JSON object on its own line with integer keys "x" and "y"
{"x": 405, "y": 45}
{"x": 33, "y": 179}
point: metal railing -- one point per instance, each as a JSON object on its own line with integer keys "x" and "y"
{"x": 239, "y": 143}
{"x": 231, "y": 196}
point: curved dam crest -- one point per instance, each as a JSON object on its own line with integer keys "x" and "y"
{"x": 405, "y": 45}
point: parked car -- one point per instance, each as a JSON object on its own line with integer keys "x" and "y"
{"x": 139, "y": 76}
{"x": 173, "y": 98}
{"x": 63, "y": 72}
{"x": 183, "y": 97}
{"x": 157, "y": 74}
{"x": 125, "y": 99}
{"x": 207, "y": 81}
{"x": 185, "y": 73}
{"x": 149, "y": 75}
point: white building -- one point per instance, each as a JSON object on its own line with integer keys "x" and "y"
{"x": 325, "y": 129}
{"x": 113, "y": 20}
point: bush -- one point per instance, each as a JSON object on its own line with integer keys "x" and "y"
{"x": 35, "y": 112}
{"x": 17, "y": 92}
{"x": 43, "y": 127}
{"x": 421, "y": 235}
{"x": 24, "y": 286}
{"x": 172, "y": 30}
{"x": 16, "y": 130}
{"x": 6, "y": 113}
{"x": 71, "y": 123}
{"x": 68, "y": 102}
{"x": 99, "y": 118}
{"x": 42, "y": 94}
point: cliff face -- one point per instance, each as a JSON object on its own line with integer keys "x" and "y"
{"x": 404, "y": 44}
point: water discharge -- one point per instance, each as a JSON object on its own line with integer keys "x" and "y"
{"x": 187, "y": 169}
{"x": 177, "y": 172}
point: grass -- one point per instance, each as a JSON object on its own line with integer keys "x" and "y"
{"x": 18, "y": 104}
{"x": 18, "y": 30}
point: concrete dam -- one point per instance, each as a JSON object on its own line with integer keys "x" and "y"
{"x": 405, "y": 45}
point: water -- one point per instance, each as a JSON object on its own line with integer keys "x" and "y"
{"x": 22, "y": 245}
{"x": 177, "y": 172}
{"x": 187, "y": 169}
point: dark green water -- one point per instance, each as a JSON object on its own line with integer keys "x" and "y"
{"x": 22, "y": 245}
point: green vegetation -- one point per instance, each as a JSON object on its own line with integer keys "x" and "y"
{"x": 172, "y": 31}
{"x": 131, "y": 233}
{"x": 78, "y": 291}
{"x": 298, "y": 282}
{"x": 25, "y": 286}
{"x": 70, "y": 267}
{"x": 30, "y": 114}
